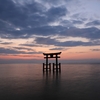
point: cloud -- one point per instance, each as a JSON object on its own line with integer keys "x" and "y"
{"x": 31, "y": 45}
{"x": 23, "y": 19}
{"x": 90, "y": 33}
{"x": 14, "y": 16}
{"x": 6, "y": 43}
{"x": 77, "y": 22}
{"x": 57, "y": 49}
{"x": 95, "y": 49}
{"x": 23, "y": 48}
{"x": 93, "y": 23}
{"x": 49, "y": 41}
{"x": 12, "y": 51}
{"x": 46, "y": 41}
{"x": 8, "y": 51}
{"x": 12, "y": 13}
{"x": 56, "y": 12}
{"x": 75, "y": 43}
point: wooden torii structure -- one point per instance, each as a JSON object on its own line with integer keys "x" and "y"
{"x": 56, "y": 65}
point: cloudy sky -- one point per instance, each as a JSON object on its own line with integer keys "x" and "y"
{"x": 30, "y": 27}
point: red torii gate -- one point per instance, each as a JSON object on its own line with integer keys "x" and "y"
{"x": 52, "y": 55}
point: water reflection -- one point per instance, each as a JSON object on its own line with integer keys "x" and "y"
{"x": 54, "y": 76}
{"x": 52, "y": 85}
{"x": 48, "y": 72}
{"x": 28, "y": 82}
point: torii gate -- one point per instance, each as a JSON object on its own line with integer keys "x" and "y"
{"x": 52, "y": 55}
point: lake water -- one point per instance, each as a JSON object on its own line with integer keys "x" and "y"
{"x": 28, "y": 82}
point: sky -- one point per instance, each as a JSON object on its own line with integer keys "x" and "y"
{"x": 29, "y": 28}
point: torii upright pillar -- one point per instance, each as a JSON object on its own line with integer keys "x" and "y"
{"x": 48, "y": 66}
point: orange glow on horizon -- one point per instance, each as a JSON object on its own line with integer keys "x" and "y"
{"x": 35, "y": 56}
{"x": 90, "y": 55}
{"x": 78, "y": 52}
{"x": 64, "y": 55}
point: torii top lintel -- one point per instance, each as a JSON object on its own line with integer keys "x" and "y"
{"x": 58, "y": 53}
{"x": 51, "y": 55}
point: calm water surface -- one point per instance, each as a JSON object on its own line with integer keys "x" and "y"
{"x": 28, "y": 82}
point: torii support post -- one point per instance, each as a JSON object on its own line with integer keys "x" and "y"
{"x": 56, "y": 62}
{"x": 52, "y": 55}
{"x": 46, "y": 62}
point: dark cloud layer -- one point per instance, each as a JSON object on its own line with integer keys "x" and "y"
{"x": 9, "y": 51}
{"x": 93, "y": 23}
{"x": 23, "y": 21}
{"x": 49, "y": 41}
{"x": 29, "y": 18}
{"x": 12, "y": 51}
{"x": 56, "y": 49}
{"x": 31, "y": 45}
{"x": 23, "y": 48}
{"x": 55, "y": 13}
{"x": 77, "y": 22}
{"x": 95, "y": 49}
{"x": 90, "y": 33}
{"x": 6, "y": 43}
